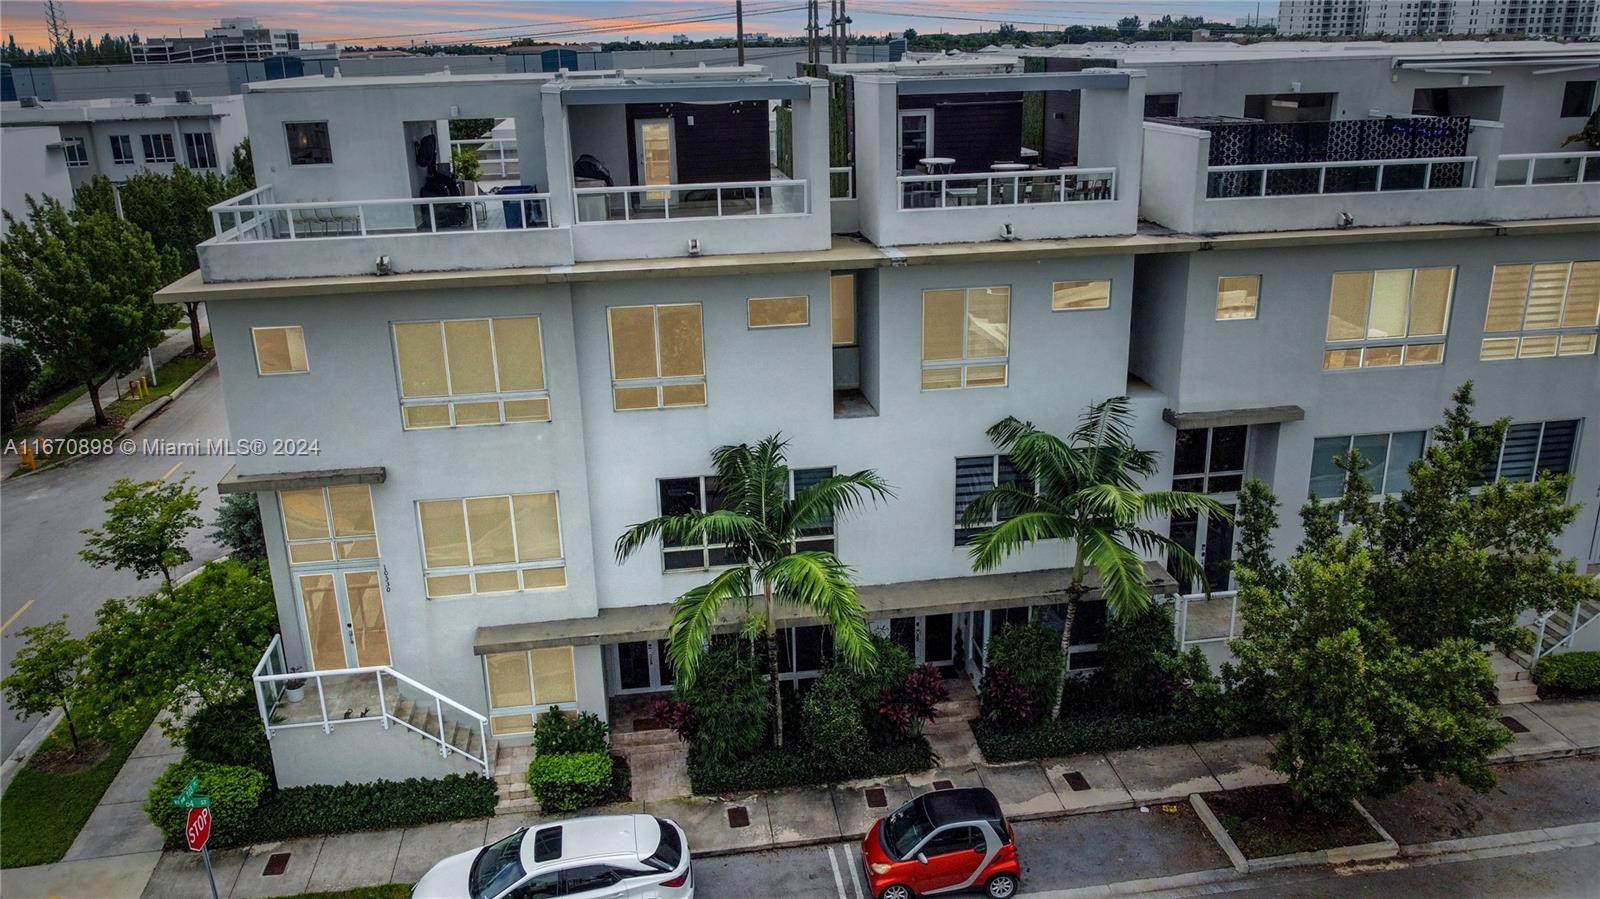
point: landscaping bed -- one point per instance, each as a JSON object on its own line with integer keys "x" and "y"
{"x": 1109, "y": 733}
{"x": 1264, "y": 822}
{"x": 1568, "y": 674}
{"x": 772, "y": 768}
{"x": 387, "y": 891}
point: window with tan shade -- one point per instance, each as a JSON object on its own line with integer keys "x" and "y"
{"x": 842, "y": 290}
{"x": 329, "y": 524}
{"x": 475, "y": 371}
{"x": 778, "y": 312}
{"x": 966, "y": 335}
{"x": 491, "y": 544}
{"x": 1237, "y": 296}
{"x": 524, "y": 685}
{"x": 1388, "y": 318}
{"x": 1542, "y": 309}
{"x": 657, "y": 356}
{"x": 1068, "y": 295}
{"x": 281, "y": 350}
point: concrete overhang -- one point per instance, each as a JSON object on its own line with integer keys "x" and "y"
{"x": 931, "y": 597}
{"x": 1222, "y": 418}
{"x": 1088, "y": 80}
{"x": 681, "y": 92}
{"x": 234, "y": 482}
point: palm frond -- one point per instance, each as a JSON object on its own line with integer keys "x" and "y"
{"x": 694, "y": 616}
{"x": 820, "y": 583}
{"x": 1003, "y": 500}
{"x": 733, "y": 465}
{"x": 1046, "y": 459}
{"x": 722, "y": 526}
{"x": 1107, "y": 501}
{"x": 834, "y": 497}
{"x": 1121, "y": 572}
{"x": 1151, "y": 543}
{"x": 1180, "y": 502}
{"x": 991, "y": 546}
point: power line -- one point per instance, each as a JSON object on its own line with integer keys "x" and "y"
{"x": 630, "y": 24}
{"x": 548, "y": 21}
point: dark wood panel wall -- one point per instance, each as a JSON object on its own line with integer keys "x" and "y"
{"x": 725, "y": 142}
{"x": 976, "y": 130}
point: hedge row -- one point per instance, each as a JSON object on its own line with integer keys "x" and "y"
{"x": 1070, "y": 736}
{"x": 1568, "y": 674}
{"x": 794, "y": 766}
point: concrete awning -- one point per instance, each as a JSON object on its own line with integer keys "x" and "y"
{"x": 932, "y": 597}
{"x": 234, "y": 482}
{"x": 1221, "y": 418}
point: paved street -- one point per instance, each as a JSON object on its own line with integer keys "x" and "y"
{"x": 44, "y": 513}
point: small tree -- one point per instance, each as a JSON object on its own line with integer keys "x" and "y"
{"x": 79, "y": 292}
{"x": 146, "y": 524}
{"x": 45, "y": 674}
{"x": 242, "y": 167}
{"x": 18, "y": 369}
{"x": 238, "y": 527}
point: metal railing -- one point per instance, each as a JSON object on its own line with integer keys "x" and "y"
{"x": 497, "y": 156}
{"x": 1019, "y": 188}
{"x": 663, "y": 202}
{"x": 1287, "y": 179}
{"x": 1211, "y": 629}
{"x": 254, "y": 216}
{"x": 1535, "y": 169}
{"x": 271, "y": 684}
{"x": 1574, "y": 624}
{"x": 841, "y": 182}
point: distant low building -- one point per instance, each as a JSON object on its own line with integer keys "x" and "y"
{"x": 237, "y": 39}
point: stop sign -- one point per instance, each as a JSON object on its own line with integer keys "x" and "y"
{"x": 198, "y": 830}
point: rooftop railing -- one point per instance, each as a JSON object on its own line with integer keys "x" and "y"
{"x": 1020, "y": 188}
{"x": 665, "y": 202}
{"x": 254, "y": 216}
{"x": 497, "y": 157}
{"x": 1346, "y": 177}
{"x": 1534, "y": 169}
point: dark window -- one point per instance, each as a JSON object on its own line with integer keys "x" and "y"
{"x": 201, "y": 150}
{"x": 975, "y": 475}
{"x": 1531, "y": 448}
{"x": 77, "y": 152}
{"x": 308, "y": 143}
{"x": 1209, "y": 460}
{"x": 680, "y": 495}
{"x": 588, "y": 877}
{"x": 1160, "y": 105}
{"x": 670, "y": 852}
{"x": 820, "y": 535}
{"x": 540, "y": 886}
{"x": 1577, "y": 101}
{"x": 547, "y": 844}
{"x": 633, "y": 665}
{"x": 158, "y": 148}
{"x": 955, "y": 839}
{"x": 122, "y": 149}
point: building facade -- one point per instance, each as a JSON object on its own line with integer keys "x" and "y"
{"x": 236, "y": 39}
{"x": 465, "y": 399}
{"x": 1350, "y": 18}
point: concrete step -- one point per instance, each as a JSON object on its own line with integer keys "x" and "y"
{"x": 522, "y": 806}
{"x": 1520, "y": 692}
{"x": 656, "y": 738}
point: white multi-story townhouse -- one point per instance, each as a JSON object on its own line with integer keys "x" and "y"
{"x": 465, "y": 398}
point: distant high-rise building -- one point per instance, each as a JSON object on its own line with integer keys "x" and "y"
{"x": 235, "y": 39}
{"x": 1343, "y": 18}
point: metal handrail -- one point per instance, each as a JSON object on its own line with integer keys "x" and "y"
{"x": 1573, "y": 626}
{"x": 1469, "y": 174}
{"x": 1089, "y": 176}
{"x": 667, "y": 190}
{"x": 1588, "y": 171}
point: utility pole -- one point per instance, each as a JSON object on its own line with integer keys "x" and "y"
{"x": 813, "y": 52}
{"x": 844, "y": 33}
{"x": 55, "y": 21}
{"x": 738, "y": 24}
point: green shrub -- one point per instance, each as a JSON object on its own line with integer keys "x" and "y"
{"x": 1069, "y": 736}
{"x": 558, "y": 731}
{"x": 235, "y": 793}
{"x": 832, "y": 721}
{"x": 229, "y": 733}
{"x": 1568, "y": 674}
{"x": 1032, "y": 653}
{"x": 568, "y": 781}
{"x": 772, "y": 769}
{"x": 731, "y": 701}
{"x": 1142, "y": 670}
{"x": 340, "y": 808}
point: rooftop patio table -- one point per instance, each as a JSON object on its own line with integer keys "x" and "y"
{"x": 1009, "y": 167}
{"x": 937, "y": 165}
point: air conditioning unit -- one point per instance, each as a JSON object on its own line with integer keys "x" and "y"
{"x": 30, "y": 102}
{"x": 141, "y": 99}
{"x": 183, "y": 96}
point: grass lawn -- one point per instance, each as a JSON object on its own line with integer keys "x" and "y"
{"x": 170, "y": 376}
{"x": 1265, "y": 823}
{"x": 49, "y": 800}
{"x": 387, "y": 891}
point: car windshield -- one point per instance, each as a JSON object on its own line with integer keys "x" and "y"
{"x": 905, "y": 829}
{"x": 498, "y": 866}
{"x": 669, "y": 852}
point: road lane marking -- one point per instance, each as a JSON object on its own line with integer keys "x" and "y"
{"x": 171, "y": 470}
{"x": 850, "y": 851}
{"x": 15, "y": 615}
{"x": 838, "y": 882}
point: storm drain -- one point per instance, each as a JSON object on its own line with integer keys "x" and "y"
{"x": 942, "y": 785}
{"x": 277, "y": 863}
{"x": 738, "y": 816}
{"x": 1076, "y": 781}
{"x": 876, "y": 798}
{"x": 1513, "y": 725}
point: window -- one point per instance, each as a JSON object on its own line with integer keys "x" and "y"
{"x": 324, "y": 524}
{"x": 474, "y": 371}
{"x": 201, "y": 150}
{"x": 77, "y": 152}
{"x": 1544, "y": 309}
{"x": 585, "y": 878}
{"x": 309, "y": 144}
{"x": 1388, "y": 458}
{"x": 539, "y": 886}
{"x": 975, "y": 475}
{"x": 842, "y": 290}
{"x": 965, "y": 337}
{"x": 1577, "y": 100}
{"x": 680, "y": 495}
{"x": 1069, "y": 295}
{"x": 657, "y": 356}
{"x": 818, "y": 537}
{"x": 158, "y": 148}
{"x": 1237, "y": 296}
{"x": 1532, "y": 448}
{"x": 778, "y": 312}
{"x": 491, "y": 544}
{"x": 1390, "y": 317}
{"x": 280, "y": 350}
{"x": 1209, "y": 460}
{"x": 122, "y": 149}
{"x": 1160, "y": 105}
{"x": 523, "y": 685}
{"x": 954, "y": 839}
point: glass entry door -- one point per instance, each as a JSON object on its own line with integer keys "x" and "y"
{"x": 1209, "y": 461}
{"x": 345, "y": 622}
{"x": 653, "y": 143}
{"x": 929, "y": 638}
{"x": 1209, "y": 538}
{"x": 916, "y": 137}
{"x": 643, "y": 666}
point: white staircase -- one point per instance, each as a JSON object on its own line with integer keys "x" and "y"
{"x": 1554, "y": 631}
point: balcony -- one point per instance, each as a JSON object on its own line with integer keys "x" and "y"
{"x": 1017, "y": 188}
{"x": 1545, "y": 185}
{"x": 726, "y": 199}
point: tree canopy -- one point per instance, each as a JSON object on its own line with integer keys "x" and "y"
{"x": 145, "y": 526}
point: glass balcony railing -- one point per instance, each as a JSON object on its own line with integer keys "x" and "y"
{"x": 1019, "y": 188}
{"x": 254, "y": 216}
{"x": 1529, "y": 169}
{"x": 666, "y": 202}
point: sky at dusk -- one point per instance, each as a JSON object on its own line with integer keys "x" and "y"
{"x": 399, "y": 22}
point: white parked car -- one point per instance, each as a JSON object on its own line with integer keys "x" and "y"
{"x": 609, "y": 857}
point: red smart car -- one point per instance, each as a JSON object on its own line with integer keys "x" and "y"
{"x": 941, "y": 842}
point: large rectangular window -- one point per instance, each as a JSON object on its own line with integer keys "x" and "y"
{"x": 524, "y": 685}
{"x": 1532, "y": 448}
{"x": 1542, "y": 309}
{"x": 819, "y": 537}
{"x": 1577, "y": 99}
{"x": 158, "y": 148}
{"x": 472, "y": 371}
{"x": 77, "y": 152}
{"x": 778, "y": 312}
{"x": 657, "y": 356}
{"x": 309, "y": 143}
{"x": 201, "y": 150}
{"x": 491, "y": 544}
{"x": 842, "y": 297}
{"x": 1389, "y": 317}
{"x": 1388, "y": 458}
{"x": 680, "y": 495}
{"x": 975, "y": 475}
{"x": 329, "y": 524}
{"x": 966, "y": 337}
{"x": 122, "y": 149}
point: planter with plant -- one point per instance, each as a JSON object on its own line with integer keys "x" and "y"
{"x": 294, "y": 689}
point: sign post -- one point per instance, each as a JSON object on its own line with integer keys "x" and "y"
{"x": 197, "y": 827}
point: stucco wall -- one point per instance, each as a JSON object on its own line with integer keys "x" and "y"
{"x": 31, "y": 169}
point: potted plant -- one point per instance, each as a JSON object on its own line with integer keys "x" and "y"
{"x": 294, "y": 689}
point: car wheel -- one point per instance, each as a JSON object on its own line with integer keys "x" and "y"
{"x": 896, "y": 891}
{"x": 1001, "y": 886}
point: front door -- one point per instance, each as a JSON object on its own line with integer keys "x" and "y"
{"x": 643, "y": 666}
{"x": 655, "y": 155}
{"x": 916, "y": 137}
{"x": 1209, "y": 461}
{"x": 345, "y": 622}
{"x": 928, "y": 638}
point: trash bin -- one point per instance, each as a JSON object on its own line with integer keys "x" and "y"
{"x": 514, "y": 208}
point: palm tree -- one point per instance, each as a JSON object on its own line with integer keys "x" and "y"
{"x": 759, "y": 523}
{"x": 1084, "y": 490}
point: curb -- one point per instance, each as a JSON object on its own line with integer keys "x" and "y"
{"x": 1219, "y": 833}
{"x": 1338, "y": 855}
{"x": 29, "y": 745}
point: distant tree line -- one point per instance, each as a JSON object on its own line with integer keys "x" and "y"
{"x": 74, "y": 50}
